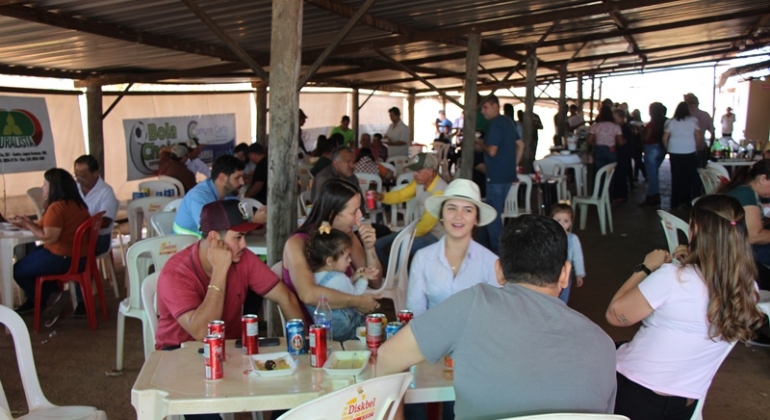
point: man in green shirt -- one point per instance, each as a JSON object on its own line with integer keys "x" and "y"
{"x": 346, "y": 131}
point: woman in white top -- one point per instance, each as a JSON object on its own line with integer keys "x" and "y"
{"x": 691, "y": 314}
{"x": 681, "y": 137}
{"x": 456, "y": 261}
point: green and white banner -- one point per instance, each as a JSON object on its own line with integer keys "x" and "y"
{"x": 26, "y": 139}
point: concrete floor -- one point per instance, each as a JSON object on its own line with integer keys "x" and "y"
{"x": 72, "y": 360}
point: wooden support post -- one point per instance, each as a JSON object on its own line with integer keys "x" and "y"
{"x": 591, "y": 101}
{"x": 599, "y": 97}
{"x": 471, "y": 93}
{"x": 530, "y": 142}
{"x": 95, "y": 130}
{"x": 354, "y": 118}
{"x": 562, "y": 119}
{"x": 410, "y": 114}
{"x": 580, "y": 92}
{"x": 262, "y": 115}
{"x": 286, "y": 37}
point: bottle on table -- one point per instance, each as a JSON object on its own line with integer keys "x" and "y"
{"x": 323, "y": 316}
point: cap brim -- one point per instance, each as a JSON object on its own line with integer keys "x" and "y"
{"x": 414, "y": 167}
{"x": 244, "y": 227}
{"x": 487, "y": 214}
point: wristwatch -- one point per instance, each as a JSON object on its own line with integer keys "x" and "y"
{"x": 641, "y": 267}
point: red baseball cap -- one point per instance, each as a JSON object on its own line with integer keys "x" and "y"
{"x": 226, "y": 215}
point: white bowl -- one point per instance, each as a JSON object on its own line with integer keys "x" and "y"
{"x": 361, "y": 334}
{"x": 347, "y": 363}
{"x": 262, "y": 358}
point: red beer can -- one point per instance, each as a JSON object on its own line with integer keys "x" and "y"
{"x": 318, "y": 345}
{"x": 218, "y": 328}
{"x": 374, "y": 332}
{"x": 250, "y": 334}
{"x": 371, "y": 203}
{"x": 405, "y": 315}
{"x": 213, "y": 356}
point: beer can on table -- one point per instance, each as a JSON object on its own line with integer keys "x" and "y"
{"x": 405, "y": 315}
{"x": 218, "y": 328}
{"x": 146, "y": 192}
{"x": 159, "y": 193}
{"x": 250, "y": 334}
{"x": 392, "y": 328}
{"x": 213, "y": 348}
{"x": 295, "y": 337}
{"x": 137, "y": 195}
{"x": 318, "y": 345}
{"x": 371, "y": 203}
{"x": 374, "y": 333}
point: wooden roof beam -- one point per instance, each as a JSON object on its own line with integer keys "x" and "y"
{"x": 368, "y": 19}
{"x": 41, "y": 72}
{"x": 422, "y": 79}
{"x": 116, "y": 79}
{"x": 622, "y": 25}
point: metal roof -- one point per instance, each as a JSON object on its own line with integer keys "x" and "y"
{"x": 122, "y": 41}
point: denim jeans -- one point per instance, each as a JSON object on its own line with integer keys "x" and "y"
{"x": 653, "y": 157}
{"x": 40, "y": 262}
{"x": 382, "y": 246}
{"x": 344, "y": 322}
{"x": 496, "y": 194}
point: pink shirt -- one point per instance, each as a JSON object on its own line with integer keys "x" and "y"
{"x": 605, "y": 133}
{"x": 182, "y": 286}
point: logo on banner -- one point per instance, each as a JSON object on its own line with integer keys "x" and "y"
{"x": 19, "y": 129}
{"x": 145, "y": 143}
{"x": 359, "y": 408}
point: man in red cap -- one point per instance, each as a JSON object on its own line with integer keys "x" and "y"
{"x": 208, "y": 281}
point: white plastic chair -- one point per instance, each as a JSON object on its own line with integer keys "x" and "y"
{"x": 386, "y": 390}
{"x": 553, "y": 169}
{"x": 600, "y": 199}
{"x": 401, "y": 181}
{"x": 149, "y": 290}
{"x": 252, "y": 205}
{"x": 304, "y": 202}
{"x": 148, "y": 207}
{"x": 709, "y": 179}
{"x": 718, "y": 168}
{"x": 398, "y": 162}
{"x": 173, "y": 205}
{"x": 157, "y": 186}
{"x": 416, "y": 149}
{"x": 177, "y": 183}
{"x": 160, "y": 249}
{"x": 568, "y": 416}
{"x": 39, "y": 407}
{"x": 511, "y": 207}
{"x": 442, "y": 154}
{"x": 303, "y": 172}
{"x": 396, "y": 279}
{"x": 35, "y": 195}
{"x": 388, "y": 166}
{"x": 364, "y": 181}
{"x": 671, "y": 224}
{"x": 163, "y": 222}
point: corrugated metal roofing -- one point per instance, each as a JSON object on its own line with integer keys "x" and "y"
{"x": 164, "y": 35}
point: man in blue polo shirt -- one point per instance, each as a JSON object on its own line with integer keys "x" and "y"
{"x": 226, "y": 179}
{"x": 502, "y": 148}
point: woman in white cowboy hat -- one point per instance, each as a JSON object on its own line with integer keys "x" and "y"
{"x": 456, "y": 261}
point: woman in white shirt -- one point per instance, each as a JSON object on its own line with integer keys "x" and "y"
{"x": 456, "y": 261}
{"x": 691, "y": 314}
{"x": 681, "y": 137}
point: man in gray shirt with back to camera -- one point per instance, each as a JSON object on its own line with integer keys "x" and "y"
{"x": 518, "y": 350}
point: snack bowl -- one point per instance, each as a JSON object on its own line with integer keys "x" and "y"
{"x": 347, "y": 363}
{"x": 258, "y": 361}
{"x": 361, "y": 334}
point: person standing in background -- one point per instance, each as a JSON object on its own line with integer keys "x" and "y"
{"x": 348, "y": 134}
{"x": 706, "y": 124}
{"x": 302, "y": 151}
{"x": 727, "y": 122}
{"x": 443, "y": 125}
{"x": 397, "y": 137}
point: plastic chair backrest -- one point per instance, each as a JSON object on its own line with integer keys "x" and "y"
{"x": 377, "y": 393}
{"x": 35, "y": 195}
{"x": 716, "y": 178}
{"x": 511, "y": 205}
{"x": 149, "y": 206}
{"x": 670, "y": 225}
{"x": 173, "y": 205}
{"x": 568, "y": 416}
{"x": 304, "y": 200}
{"x": 90, "y": 227}
{"x": 398, "y": 162}
{"x": 698, "y": 413}
{"x": 405, "y": 178}
{"x": 149, "y": 290}
{"x": 397, "y": 269}
{"x": 705, "y": 178}
{"x": 160, "y": 249}
{"x": 177, "y": 183}
{"x": 387, "y": 166}
{"x": 252, "y": 205}
{"x": 303, "y": 172}
{"x": 602, "y": 182}
{"x": 550, "y": 166}
{"x": 720, "y": 169}
{"x": 364, "y": 180}
{"x": 163, "y": 222}
{"x": 278, "y": 270}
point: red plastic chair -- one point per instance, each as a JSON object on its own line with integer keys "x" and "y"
{"x": 92, "y": 227}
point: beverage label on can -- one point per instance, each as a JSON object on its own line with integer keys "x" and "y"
{"x": 252, "y": 329}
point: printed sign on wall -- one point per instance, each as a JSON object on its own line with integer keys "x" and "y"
{"x": 215, "y": 134}
{"x": 26, "y": 139}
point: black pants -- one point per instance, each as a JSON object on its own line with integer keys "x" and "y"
{"x": 639, "y": 403}
{"x": 684, "y": 172}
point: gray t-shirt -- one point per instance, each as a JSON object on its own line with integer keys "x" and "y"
{"x": 518, "y": 352}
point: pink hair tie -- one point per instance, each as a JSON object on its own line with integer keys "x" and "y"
{"x": 732, "y": 222}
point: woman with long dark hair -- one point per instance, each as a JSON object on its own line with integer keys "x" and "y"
{"x": 338, "y": 203}
{"x": 654, "y": 152}
{"x": 681, "y": 137}
{"x": 64, "y": 212}
{"x": 691, "y": 314}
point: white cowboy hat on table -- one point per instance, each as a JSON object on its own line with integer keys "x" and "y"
{"x": 462, "y": 189}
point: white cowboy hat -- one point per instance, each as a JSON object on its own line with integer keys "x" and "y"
{"x": 462, "y": 189}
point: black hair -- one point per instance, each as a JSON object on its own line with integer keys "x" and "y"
{"x": 605, "y": 114}
{"x": 561, "y": 208}
{"x": 320, "y": 246}
{"x": 256, "y": 148}
{"x": 682, "y": 111}
{"x": 365, "y": 151}
{"x": 508, "y": 110}
{"x": 329, "y": 202}
{"x": 492, "y": 99}
{"x": 62, "y": 186}
{"x": 93, "y": 164}
{"x": 338, "y": 139}
{"x": 345, "y": 118}
{"x": 658, "y": 120}
{"x": 745, "y": 174}
{"x": 325, "y": 145}
{"x": 226, "y": 164}
{"x": 241, "y": 147}
{"x": 395, "y": 111}
{"x": 533, "y": 250}
{"x": 377, "y": 135}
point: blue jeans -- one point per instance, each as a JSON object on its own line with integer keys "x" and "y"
{"x": 344, "y": 322}
{"x": 382, "y": 246}
{"x": 653, "y": 158}
{"x": 40, "y": 262}
{"x": 496, "y": 194}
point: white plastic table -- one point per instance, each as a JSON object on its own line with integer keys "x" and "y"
{"x": 581, "y": 172}
{"x": 173, "y": 382}
{"x": 9, "y": 239}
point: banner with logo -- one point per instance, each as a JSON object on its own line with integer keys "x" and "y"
{"x": 215, "y": 134}
{"x": 26, "y": 139}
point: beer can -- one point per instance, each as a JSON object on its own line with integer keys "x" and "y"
{"x": 405, "y": 315}
{"x": 392, "y": 328}
{"x": 371, "y": 203}
{"x": 295, "y": 337}
{"x": 213, "y": 346}
{"x": 374, "y": 333}
{"x": 159, "y": 193}
{"x": 137, "y": 195}
{"x": 250, "y": 334}
{"x": 146, "y": 192}
{"x": 218, "y": 328}
{"x": 318, "y": 345}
